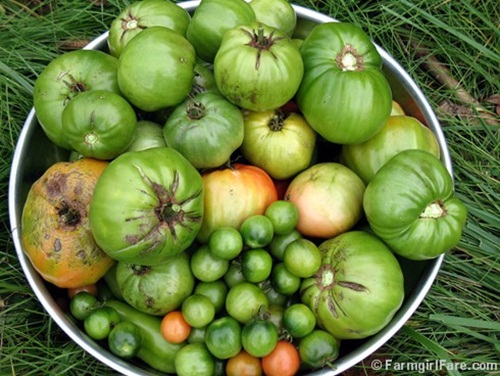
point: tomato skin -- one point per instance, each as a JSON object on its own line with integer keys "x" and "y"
{"x": 223, "y": 337}
{"x": 244, "y": 301}
{"x": 125, "y": 339}
{"x": 352, "y": 263}
{"x": 174, "y": 328}
{"x": 257, "y": 67}
{"x": 148, "y": 135}
{"x": 399, "y": 133}
{"x": 198, "y": 310}
{"x": 420, "y": 217}
{"x": 207, "y": 267}
{"x": 257, "y": 231}
{"x": 298, "y": 320}
{"x": 284, "y": 360}
{"x": 276, "y": 13}
{"x": 211, "y": 20}
{"x": 318, "y": 349}
{"x": 194, "y": 359}
{"x": 82, "y": 304}
{"x": 216, "y": 291}
{"x": 302, "y": 258}
{"x": 347, "y": 98}
{"x": 243, "y": 364}
{"x": 63, "y": 79}
{"x": 141, "y": 15}
{"x": 99, "y": 322}
{"x": 256, "y": 265}
{"x": 233, "y": 194}
{"x": 272, "y": 137}
{"x": 206, "y": 128}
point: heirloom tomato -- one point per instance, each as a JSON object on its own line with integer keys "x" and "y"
{"x": 358, "y": 288}
{"x": 280, "y": 143}
{"x": 206, "y": 129}
{"x": 233, "y": 194}
{"x": 152, "y": 64}
{"x": 147, "y": 206}
{"x": 329, "y": 198}
{"x": 156, "y": 289}
{"x": 63, "y": 79}
{"x": 147, "y": 135}
{"x": 257, "y": 67}
{"x": 344, "y": 95}
{"x": 410, "y": 204}
{"x": 399, "y": 133}
{"x": 211, "y": 20}
{"x": 141, "y": 15}
{"x": 275, "y": 13}
{"x": 99, "y": 124}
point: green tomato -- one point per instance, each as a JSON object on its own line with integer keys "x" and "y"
{"x": 63, "y": 79}
{"x": 198, "y": 310}
{"x": 206, "y": 266}
{"x": 275, "y": 13}
{"x": 211, "y": 20}
{"x": 148, "y": 135}
{"x": 410, "y": 204}
{"x": 256, "y": 265}
{"x": 358, "y": 288}
{"x": 259, "y": 337}
{"x": 225, "y": 242}
{"x": 272, "y": 137}
{"x": 215, "y": 291}
{"x": 283, "y": 280}
{"x": 194, "y": 359}
{"x": 299, "y": 320}
{"x": 99, "y": 124}
{"x": 344, "y": 95}
{"x": 280, "y": 242}
{"x": 141, "y": 15}
{"x": 100, "y": 321}
{"x": 156, "y": 289}
{"x": 284, "y": 216}
{"x": 257, "y": 67}
{"x": 257, "y": 231}
{"x": 244, "y": 301}
{"x": 125, "y": 339}
{"x": 399, "y": 133}
{"x": 223, "y": 337}
{"x": 302, "y": 258}
{"x": 206, "y": 129}
{"x": 155, "y": 61}
{"x": 318, "y": 349}
{"x": 147, "y": 206}
{"x": 82, "y": 304}
{"x": 204, "y": 79}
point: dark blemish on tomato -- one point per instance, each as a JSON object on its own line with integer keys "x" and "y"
{"x": 57, "y": 245}
{"x": 57, "y": 185}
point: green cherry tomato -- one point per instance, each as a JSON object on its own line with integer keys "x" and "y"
{"x": 302, "y": 257}
{"x": 318, "y": 349}
{"x": 259, "y": 337}
{"x": 284, "y": 216}
{"x": 216, "y": 291}
{"x": 147, "y": 135}
{"x": 197, "y": 335}
{"x": 257, "y": 231}
{"x": 277, "y": 13}
{"x": 100, "y": 321}
{"x": 206, "y": 266}
{"x": 244, "y": 301}
{"x": 225, "y": 243}
{"x": 82, "y": 304}
{"x": 234, "y": 274}
{"x": 256, "y": 265}
{"x": 198, "y": 310}
{"x": 299, "y": 320}
{"x": 125, "y": 339}
{"x": 223, "y": 337}
{"x": 283, "y": 281}
{"x": 194, "y": 359}
{"x": 280, "y": 242}
{"x": 99, "y": 124}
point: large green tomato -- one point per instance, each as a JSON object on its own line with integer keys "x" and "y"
{"x": 156, "y": 69}
{"x": 99, "y": 124}
{"x": 257, "y": 67}
{"x": 141, "y": 15}
{"x": 275, "y": 13}
{"x": 344, "y": 95}
{"x": 410, "y": 204}
{"x": 358, "y": 288}
{"x": 206, "y": 129}
{"x": 147, "y": 206}
{"x": 399, "y": 133}
{"x": 281, "y": 144}
{"x": 156, "y": 289}
{"x": 211, "y": 20}
{"x": 63, "y": 79}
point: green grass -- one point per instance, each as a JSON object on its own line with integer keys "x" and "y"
{"x": 459, "y": 319}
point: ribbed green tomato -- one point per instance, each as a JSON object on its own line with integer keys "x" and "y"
{"x": 410, "y": 204}
{"x": 358, "y": 288}
{"x": 344, "y": 95}
{"x": 275, "y": 13}
{"x": 257, "y": 67}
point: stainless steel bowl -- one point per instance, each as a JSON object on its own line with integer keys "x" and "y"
{"x": 34, "y": 153}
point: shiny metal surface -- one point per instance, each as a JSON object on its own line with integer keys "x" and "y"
{"x": 34, "y": 154}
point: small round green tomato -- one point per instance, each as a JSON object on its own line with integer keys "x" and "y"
{"x": 225, "y": 243}
{"x": 284, "y": 216}
{"x": 318, "y": 348}
{"x": 283, "y": 281}
{"x": 198, "y": 310}
{"x": 194, "y": 359}
{"x": 257, "y": 231}
{"x": 147, "y": 135}
{"x": 100, "y": 321}
{"x": 99, "y": 124}
{"x": 206, "y": 266}
{"x": 277, "y": 13}
{"x": 299, "y": 320}
{"x": 244, "y": 301}
{"x": 259, "y": 337}
{"x": 82, "y": 304}
{"x": 125, "y": 339}
{"x": 279, "y": 243}
{"x": 256, "y": 265}
{"x": 223, "y": 337}
{"x": 234, "y": 274}
{"x": 216, "y": 291}
{"x": 302, "y": 257}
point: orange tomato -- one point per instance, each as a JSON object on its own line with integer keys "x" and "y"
{"x": 174, "y": 328}
{"x": 91, "y": 289}
{"x": 243, "y": 364}
{"x": 284, "y": 360}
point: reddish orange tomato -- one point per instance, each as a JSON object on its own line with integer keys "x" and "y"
{"x": 174, "y": 328}
{"x": 284, "y": 360}
{"x": 243, "y": 364}
{"x": 233, "y": 194}
{"x": 91, "y": 289}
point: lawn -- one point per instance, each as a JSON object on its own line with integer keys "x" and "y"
{"x": 450, "y": 48}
